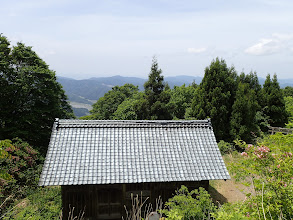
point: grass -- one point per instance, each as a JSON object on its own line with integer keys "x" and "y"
{"x": 45, "y": 203}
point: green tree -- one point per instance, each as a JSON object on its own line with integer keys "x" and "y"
{"x": 243, "y": 118}
{"x": 6, "y": 88}
{"x": 288, "y": 97}
{"x": 21, "y": 166}
{"x": 105, "y": 107}
{"x": 180, "y": 101}
{"x": 132, "y": 108}
{"x": 5, "y": 58}
{"x": 288, "y": 91}
{"x": 215, "y": 97}
{"x": 289, "y": 109}
{"x": 273, "y": 102}
{"x": 157, "y": 94}
{"x": 252, "y": 80}
{"x": 32, "y": 97}
{"x": 155, "y": 84}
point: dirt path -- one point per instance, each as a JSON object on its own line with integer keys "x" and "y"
{"x": 228, "y": 191}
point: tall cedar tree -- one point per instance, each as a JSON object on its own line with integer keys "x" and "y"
{"x": 31, "y": 98}
{"x": 245, "y": 108}
{"x": 273, "y": 102}
{"x": 252, "y": 80}
{"x": 243, "y": 121}
{"x": 157, "y": 94}
{"x": 215, "y": 97}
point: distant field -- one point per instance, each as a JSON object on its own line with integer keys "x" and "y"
{"x": 81, "y": 105}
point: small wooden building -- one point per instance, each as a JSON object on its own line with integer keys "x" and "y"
{"x": 100, "y": 163}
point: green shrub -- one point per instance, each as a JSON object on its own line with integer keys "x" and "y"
{"x": 44, "y": 203}
{"x": 268, "y": 166}
{"x": 289, "y": 109}
{"x": 196, "y": 204}
{"x": 20, "y": 171}
{"x": 230, "y": 212}
{"x": 225, "y": 147}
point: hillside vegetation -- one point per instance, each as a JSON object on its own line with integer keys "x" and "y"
{"x": 238, "y": 105}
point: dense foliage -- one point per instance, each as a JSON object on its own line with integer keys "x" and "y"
{"x": 215, "y": 97}
{"x": 288, "y": 97}
{"x": 289, "y": 109}
{"x": 132, "y": 108}
{"x": 225, "y": 147}
{"x": 105, "y": 107}
{"x": 243, "y": 120}
{"x": 43, "y": 203}
{"x": 196, "y": 204}
{"x": 288, "y": 91}
{"x": 30, "y": 96}
{"x": 268, "y": 167}
{"x": 179, "y": 105}
{"x": 30, "y": 100}
{"x": 20, "y": 170}
{"x": 273, "y": 102}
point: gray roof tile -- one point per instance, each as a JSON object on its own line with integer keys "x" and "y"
{"x": 107, "y": 152}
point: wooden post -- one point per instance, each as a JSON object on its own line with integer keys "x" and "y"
{"x": 123, "y": 200}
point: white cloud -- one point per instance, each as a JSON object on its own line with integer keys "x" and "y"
{"x": 283, "y": 37}
{"x": 268, "y": 46}
{"x": 196, "y": 50}
{"x": 264, "y": 47}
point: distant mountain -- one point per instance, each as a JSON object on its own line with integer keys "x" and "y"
{"x": 83, "y": 93}
{"x": 89, "y": 90}
{"x": 180, "y": 80}
{"x": 119, "y": 81}
{"x": 285, "y": 82}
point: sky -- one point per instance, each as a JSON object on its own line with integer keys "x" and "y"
{"x": 97, "y": 38}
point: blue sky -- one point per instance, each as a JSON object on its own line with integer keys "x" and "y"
{"x": 82, "y": 39}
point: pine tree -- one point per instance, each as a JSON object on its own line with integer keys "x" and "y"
{"x": 155, "y": 84}
{"x": 273, "y": 102}
{"x": 215, "y": 97}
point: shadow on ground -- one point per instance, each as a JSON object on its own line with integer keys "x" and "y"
{"x": 216, "y": 196}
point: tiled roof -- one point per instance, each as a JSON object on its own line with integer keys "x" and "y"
{"x": 106, "y": 152}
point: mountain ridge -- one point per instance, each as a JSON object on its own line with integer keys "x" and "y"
{"x": 85, "y": 92}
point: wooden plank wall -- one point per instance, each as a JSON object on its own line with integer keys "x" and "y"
{"x": 107, "y": 201}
